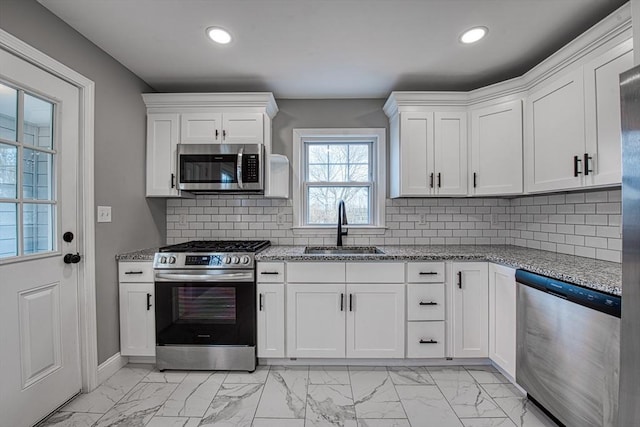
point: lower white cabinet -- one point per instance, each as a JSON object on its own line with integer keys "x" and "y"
{"x": 469, "y": 309}
{"x": 425, "y": 339}
{"x": 502, "y": 317}
{"x": 271, "y": 320}
{"x": 137, "y": 319}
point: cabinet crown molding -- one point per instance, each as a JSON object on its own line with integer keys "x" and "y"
{"x": 170, "y": 101}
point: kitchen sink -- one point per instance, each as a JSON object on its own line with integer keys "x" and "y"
{"x": 342, "y": 250}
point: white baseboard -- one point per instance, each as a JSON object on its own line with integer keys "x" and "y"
{"x": 372, "y": 362}
{"x": 143, "y": 359}
{"x": 111, "y": 366}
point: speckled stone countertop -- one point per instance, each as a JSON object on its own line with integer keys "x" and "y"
{"x": 603, "y": 276}
{"x": 141, "y": 255}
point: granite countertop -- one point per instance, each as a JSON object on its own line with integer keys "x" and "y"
{"x": 603, "y": 276}
{"x": 141, "y": 255}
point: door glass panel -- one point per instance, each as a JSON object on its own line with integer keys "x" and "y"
{"x": 8, "y": 113}
{"x": 38, "y": 122}
{"x": 8, "y": 171}
{"x": 37, "y": 175}
{"x": 37, "y": 228}
{"x": 8, "y": 230}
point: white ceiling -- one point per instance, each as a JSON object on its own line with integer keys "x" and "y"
{"x": 328, "y": 48}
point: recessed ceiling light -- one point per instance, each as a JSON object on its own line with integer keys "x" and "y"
{"x": 474, "y": 34}
{"x": 219, "y": 35}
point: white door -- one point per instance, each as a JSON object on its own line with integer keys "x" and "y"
{"x": 502, "y": 317}
{"x": 270, "y": 319}
{"x": 416, "y": 154}
{"x": 375, "y": 320}
{"x": 470, "y": 305}
{"x": 242, "y": 128}
{"x": 315, "y": 320}
{"x": 39, "y": 354}
{"x": 450, "y": 153}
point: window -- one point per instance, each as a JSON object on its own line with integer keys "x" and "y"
{"x": 27, "y": 157}
{"x": 339, "y": 164}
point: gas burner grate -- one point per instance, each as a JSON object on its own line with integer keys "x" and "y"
{"x": 218, "y": 246}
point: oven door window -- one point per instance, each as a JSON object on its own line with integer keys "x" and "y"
{"x": 205, "y": 313}
{"x": 208, "y": 168}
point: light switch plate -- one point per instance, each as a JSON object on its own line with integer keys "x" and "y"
{"x": 104, "y": 213}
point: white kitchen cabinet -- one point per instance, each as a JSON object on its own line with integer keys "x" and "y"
{"x": 137, "y": 309}
{"x": 375, "y": 320}
{"x": 214, "y": 127}
{"x": 469, "y": 315}
{"x": 496, "y": 149}
{"x": 426, "y": 339}
{"x": 271, "y": 320}
{"x": 502, "y": 317}
{"x": 602, "y": 112}
{"x": 162, "y": 143}
{"x": 316, "y": 320}
{"x": 428, "y": 154}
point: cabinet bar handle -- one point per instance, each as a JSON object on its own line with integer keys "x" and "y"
{"x": 341, "y": 302}
{"x": 428, "y": 303}
{"x": 133, "y": 272}
{"x": 173, "y": 181}
{"x": 576, "y": 160}
{"x": 587, "y": 159}
{"x": 475, "y": 180}
{"x": 460, "y": 279}
{"x": 260, "y": 305}
{"x": 270, "y": 272}
{"x": 439, "y": 180}
{"x": 428, "y": 341}
{"x": 350, "y": 302}
{"x": 217, "y": 132}
{"x": 431, "y": 180}
{"x": 428, "y": 273}
{"x": 148, "y": 301}
{"x": 224, "y": 134}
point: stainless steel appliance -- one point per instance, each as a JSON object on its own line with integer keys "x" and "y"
{"x": 205, "y": 305}
{"x": 207, "y": 168}
{"x": 568, "y": 347}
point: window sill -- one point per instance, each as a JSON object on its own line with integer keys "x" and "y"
{"x": 354, "y": 230}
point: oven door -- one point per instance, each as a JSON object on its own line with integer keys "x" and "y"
{"x": 195, "y": 308}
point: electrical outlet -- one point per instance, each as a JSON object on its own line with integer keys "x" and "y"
{"x": 423, "y": 219}
{"x": 104, "y": 213}
{"x": 182, "y": 220}
{"x": 494, "y": 219}
{"x": 281, "y": 218}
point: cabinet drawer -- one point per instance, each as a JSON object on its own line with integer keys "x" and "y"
{"x": 270, "y": 272}
{"x": 425, "y": 272}
{"x": 381, "y": 272}
{"x": 420, "y": 336}
{"x": 130, "y": 272}
{"x": 315, "y": 272}
{"x": 425, "y": 301}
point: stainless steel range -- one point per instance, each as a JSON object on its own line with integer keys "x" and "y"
{"x": 206, "y": 305}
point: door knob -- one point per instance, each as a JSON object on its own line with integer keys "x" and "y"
{"x": 72, "y": 258}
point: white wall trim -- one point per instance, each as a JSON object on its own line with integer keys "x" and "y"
{"x": 111, "y": 366}
{"x": 86, "y": 243}
{"x": 161, "y": 102}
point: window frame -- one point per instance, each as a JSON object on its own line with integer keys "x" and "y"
{"x": 377, "y": 167}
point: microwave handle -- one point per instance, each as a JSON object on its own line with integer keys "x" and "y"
{"x": 239, "y": 168}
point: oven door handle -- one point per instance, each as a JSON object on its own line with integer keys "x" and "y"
{"x": 195, "y": 277}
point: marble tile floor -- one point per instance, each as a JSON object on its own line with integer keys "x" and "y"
{"x": 304, "y": 396}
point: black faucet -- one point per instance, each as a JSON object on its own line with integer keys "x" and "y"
{"x": 342, "y": 220}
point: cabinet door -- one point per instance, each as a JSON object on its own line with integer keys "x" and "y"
{"x": 162, "y": 140}
{"x": 137, "y": 319}
{"x": 470, "y": 309}
{"x": 496, "y": 149}
{"x": 375, "y": 320}
{"x": 242, "y": 128}
{"x": 270, "y": 319}
{"x": 316, "y": 320}
{"x": 201, "y": 128}
{"x": 416, "y": 154}
{"x": 502, "y": 317}
{"x": 450, "y": 153}
{"x": 602, "y": 104}
{"x": 555, "y": 135}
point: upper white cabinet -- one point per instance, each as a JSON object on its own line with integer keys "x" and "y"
{"x": 228, "y": 128}
{"x": 428, "y": 153}
{"x": 496, "y": 149}
{"x": 162, "y": 143}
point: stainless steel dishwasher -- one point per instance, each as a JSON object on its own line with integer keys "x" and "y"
{"x": 568, "y": 350}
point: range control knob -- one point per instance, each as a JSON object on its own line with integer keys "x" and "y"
{"x": 227, "y": 260}
{"x": 235, "y": 260}
{"x": 245, "y": 260}
{"x": 163, "y": 260}
{"x": 172, "y": 260}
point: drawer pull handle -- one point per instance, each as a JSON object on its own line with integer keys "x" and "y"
{"x": 428, "y": 273}
{"x": 428, "y": 342}
{"x": 133, "y": 272}
{"x": 428, "y": 303}
{"x": 270, "y": 272}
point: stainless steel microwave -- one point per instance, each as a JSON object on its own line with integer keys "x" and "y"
{"x": 213, "y": 168}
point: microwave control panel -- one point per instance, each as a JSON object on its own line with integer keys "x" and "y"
{"x": 250, "y": 168}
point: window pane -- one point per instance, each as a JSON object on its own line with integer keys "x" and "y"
{"x": 36, "y": 175}
{"x": 318, "y": 154}
{"x": 338, "y": 153}
{"x": 322, "y": 204}
{"x": 359, "y": 153}
{"x": 8, "y": 230}
{"x": 318, "y": 173}
{"x": 38, "y": 122}
{"x": 359, "y": 172}
{"x": 8, "y": 112}
{"x": 338, "y": 173}
{"x": 8, "y": 171}
{"x": 38, "y": 228}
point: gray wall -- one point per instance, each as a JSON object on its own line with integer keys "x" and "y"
{"x": 119, "y": 151}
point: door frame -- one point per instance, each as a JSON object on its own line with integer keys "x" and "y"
{"x": 86, "y": 242}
